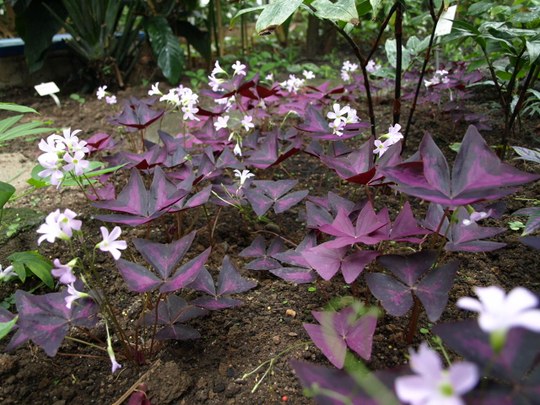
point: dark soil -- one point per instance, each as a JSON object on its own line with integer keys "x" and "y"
{"x": 234, "y": 341}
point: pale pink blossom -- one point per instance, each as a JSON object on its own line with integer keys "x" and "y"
{"x": 247, "y": 122}
{"x": 380, "y": 147}
{"x": 73, "y": 295}
{"x": 433, "y": 385}
{"x": 63, "y": 272}
{"x": 111, "y": 99}
{"x": 76, "y": 163}
{"x": 110, "y": 243}
{"x": 221, "y": 122}
{"x": 239, "y": 68}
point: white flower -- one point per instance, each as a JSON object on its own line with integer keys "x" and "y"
{"x": 243, "y": 176}
{"x": 269, "y": 77}
{"x": 7, "y": 273}
{"x": 476, "y": 216}
{"x": 218, "y": 69}
{"x": 239, "y": 68}
{"x": 372, "y": 67}
{"x": 338, "y": 127}
{"x": 59, "y": 225}
{"x": 247, "y": 122}
{"x": 110, "y": 243}
{"x": 394, "y": 135}
{"x": 215, "y": 83}
{"x": 76, "y": 163}
{"x": 154, "y": 90}
{"x": 189, "y": 113}
{"x": 380, "y": 147}
{"x": 101, "y": 92}
{"x": 237, "y": 149}
{"x": 308, "y": 74}
{"x": 432, "y": 385}
{"x": 293, "y": 84}
{"x": 338, "y": 113}
{"x": 500, "y": 312}
{"x": 171, "y": 97}
{"x": 110, "y": 99}
{"x": 221, "y": 122}
{"x": 73, "y": 295}
{"x": 352, "y": 117}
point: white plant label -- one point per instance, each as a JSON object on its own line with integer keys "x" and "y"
{"x": 48, "y": 89}
{"x": 444, "y": 26}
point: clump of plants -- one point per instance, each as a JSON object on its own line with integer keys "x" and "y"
{"x": 230, "y": 137}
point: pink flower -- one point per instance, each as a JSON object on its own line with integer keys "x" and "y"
{"x": 432, "y": 385}
{"x": 111, "y": 99}
{"x": 110, "y": 243}
{"x": 64, "y": 272}
{"x": 247, "y": 122}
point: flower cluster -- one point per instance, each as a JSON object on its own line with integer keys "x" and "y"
{"x": 476, "y": 216}
{"x": 440, "y": 76}
{"x": 347, "y": 69}
{"x": 103, "y": 93}
{"x": 432, "y": 384}
{"x": 59, "y": 225}
{"x": 180, "y": 97}
{"x": 341, "y": 117}
{"x": 293, "y": 84}
{"x": 219, "y": 75}
{"x": 385, "y": 141}
{"x": 372, "y": 66}
{"x": 62, "y": 154}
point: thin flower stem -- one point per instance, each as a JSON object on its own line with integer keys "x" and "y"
{"x": 421, "y": 78}
{"x": 92, "y": 186}
{"x": 363, "y": 63}
{"x": 154, "y": 328}
{"x": 398, "y": 28}
{"x": 84, "y": 342}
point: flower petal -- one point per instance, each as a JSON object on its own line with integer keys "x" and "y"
{"x": 470, "y": 304}
{"x": 463, "y": 376}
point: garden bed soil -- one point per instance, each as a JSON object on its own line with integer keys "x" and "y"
{"x": 234, "y": 341}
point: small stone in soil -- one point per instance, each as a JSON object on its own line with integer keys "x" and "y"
{"x": 291, "y": 313}
{"x": 276, "y": 340}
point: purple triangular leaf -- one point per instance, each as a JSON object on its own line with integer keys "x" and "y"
{"x": 204, "y": 283}
{"x": 164, "y": 257}
{"x": 433, "y": 290}
{"x": 326, "y": 261}
{"x": 409, "y": 268}
{"x": 298, "y": 275}
{"x": 138, "y": 278}
{"x": 353, "y": 265}
{"x": 329, "y": 342}
{"x": 186, "y": 274}
{"x": 216, "y": 303}
{"x": 230, "y": 281}
{"x": 177, "y": 332}
{"x": 395, "y": 297}
{"x": 289, "y": 200}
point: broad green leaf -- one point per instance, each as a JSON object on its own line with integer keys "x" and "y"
{"x": 166, "y": 47}
{"x": 34, "y": 262}
{"x": 364, "y": 8}
{"x": 6, "y": 191}
{"x": 391, "y": 54}
{"x": 342, "y": 10}
{"x": 479, "y": 8}
{"x": 17, "y": 108}
{"x": 28, "y": 128}
{"x": 376, "y": 5}
{"x": 533, "y": 48}
{"x": 242, "y": 12}
{"x": 274, "y": 14}
{"x": 6, "y": 327}
{"x": 8, "y": 122}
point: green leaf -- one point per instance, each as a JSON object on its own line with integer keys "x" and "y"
{"x": 28, "y": 128}
{"x": 17, "y": 108}
{"x": 479, "y": 8}
{"x": 242, "y": 12}
{"x": 36, "y": 26}
{"x": 166, "y": 48}
{"x": 200, "y": 40}
{"x": 6, "y": 327}
{"x": 342, "y": 10}
{"x": 391, "y": 54}
{"x": 364, "y": 8}
{"x": 34, "y": 262}
{"x": 533, "y": 48}
{"x": 274, "y": 14}
{"x": 39, "y": 182}
{"x": 6, "y": 191}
